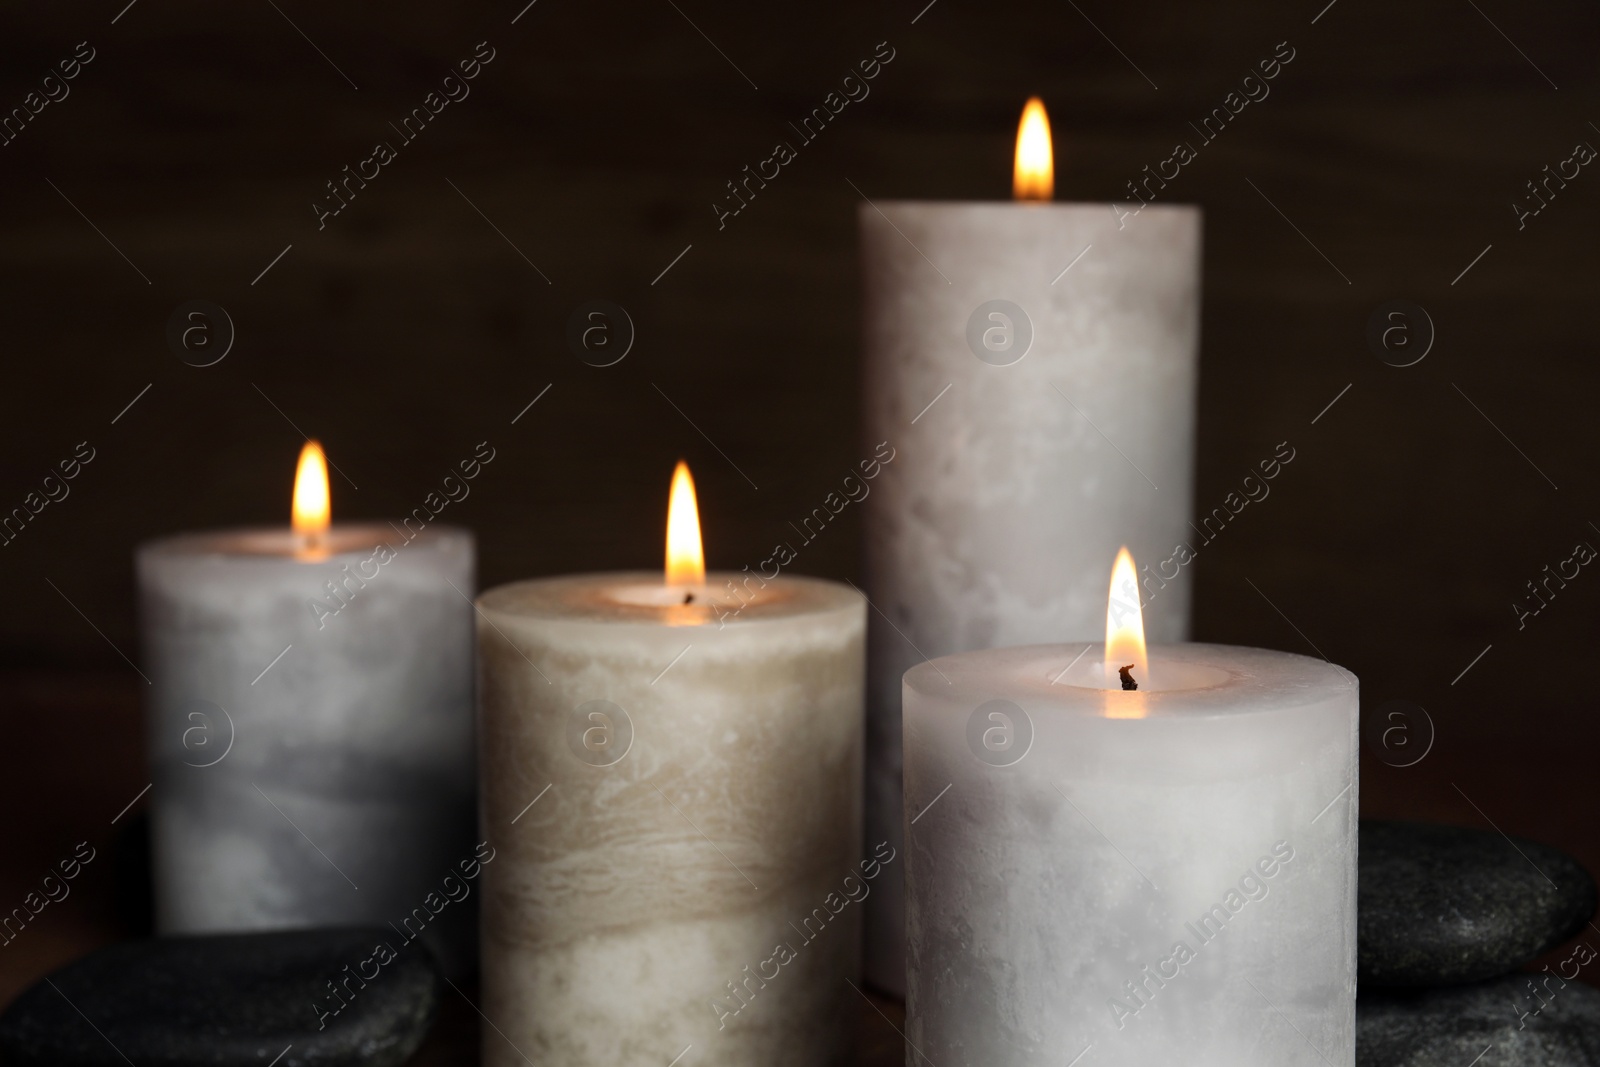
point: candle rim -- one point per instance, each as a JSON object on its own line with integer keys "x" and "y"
{"x": 1243, "y": 691}
{"x": 560, "y": 598}
{"x": 343, "y": 539}
{"x": 1164, "y": 208}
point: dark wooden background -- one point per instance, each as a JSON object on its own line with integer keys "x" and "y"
{"x": 416, "y": 324}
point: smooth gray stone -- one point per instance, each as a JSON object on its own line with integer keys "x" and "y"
{"x": 1456, "y": 1025}
{"x": 229, "y": 999}
{"x": 1440, "y": 905}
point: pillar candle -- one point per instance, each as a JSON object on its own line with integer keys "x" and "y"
{"x": 1035, "y": 365}
{"x": 671, "y": 781}
{"x": 310, "y": 727}
{"x": 1159, "y": 876}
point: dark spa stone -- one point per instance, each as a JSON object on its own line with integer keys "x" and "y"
{"x": 230, "y": 999}
{"x": 1439, "y": 905}
{"x": 1504, "y": 1022}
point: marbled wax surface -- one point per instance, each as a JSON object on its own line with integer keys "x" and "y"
{"x": 312, "y": 753}
{"x": 688, "y": 871}
{"x": 1181, "y": 884}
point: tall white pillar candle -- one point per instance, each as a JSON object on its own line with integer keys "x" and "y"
{"x": 310, "y": 728}
{"x": 1159, "y": 876}
{"x": 671, "y": 781}
{"x": 1034, "y": 366}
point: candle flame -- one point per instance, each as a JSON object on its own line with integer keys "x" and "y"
{"x": 686, "y": 560}
{"x": 311, "y": 512}
{"x": 1034, "y": 175}
{"x": 1125, "y": 626}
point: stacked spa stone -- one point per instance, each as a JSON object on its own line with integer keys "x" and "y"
{"x": 351, "y": 997}
{"x": 1449, "y": 918}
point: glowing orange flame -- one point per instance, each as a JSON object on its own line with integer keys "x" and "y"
{"x": 311, "y": 511}
{"x": 1125, "y": 627}
{"x": 1034, "y": 175}
{"x": 686, "y": 560}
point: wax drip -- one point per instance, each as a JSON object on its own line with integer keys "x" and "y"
{"x": 1127, "y": 679}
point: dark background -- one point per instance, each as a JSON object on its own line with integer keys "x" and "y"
{"x": 595, "y": 143}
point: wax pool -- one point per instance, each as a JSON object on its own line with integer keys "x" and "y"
{"x": 1165, "y": 875}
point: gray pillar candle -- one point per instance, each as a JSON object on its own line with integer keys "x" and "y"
{"x": 1166, "y": 875}
{"x": 1034, "y": 365}
{"x": 310, "y": 728}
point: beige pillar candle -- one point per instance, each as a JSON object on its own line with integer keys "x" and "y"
{"x": 1034, "y": 365}
{"x": 671, "y": 779}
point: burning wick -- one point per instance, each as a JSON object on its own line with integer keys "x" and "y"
{"x": 686, "y": 560}
{"x": 1125, "y": 632}
{"x": 688, "y": 598}
{"x": 310, "y": 510}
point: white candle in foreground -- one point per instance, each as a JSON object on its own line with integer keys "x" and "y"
{"x": 1158, "y": 876}
{"x": 310, "y": 726}
{"x": 1035, "y": 366}
{"x": 671, "y": 779}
